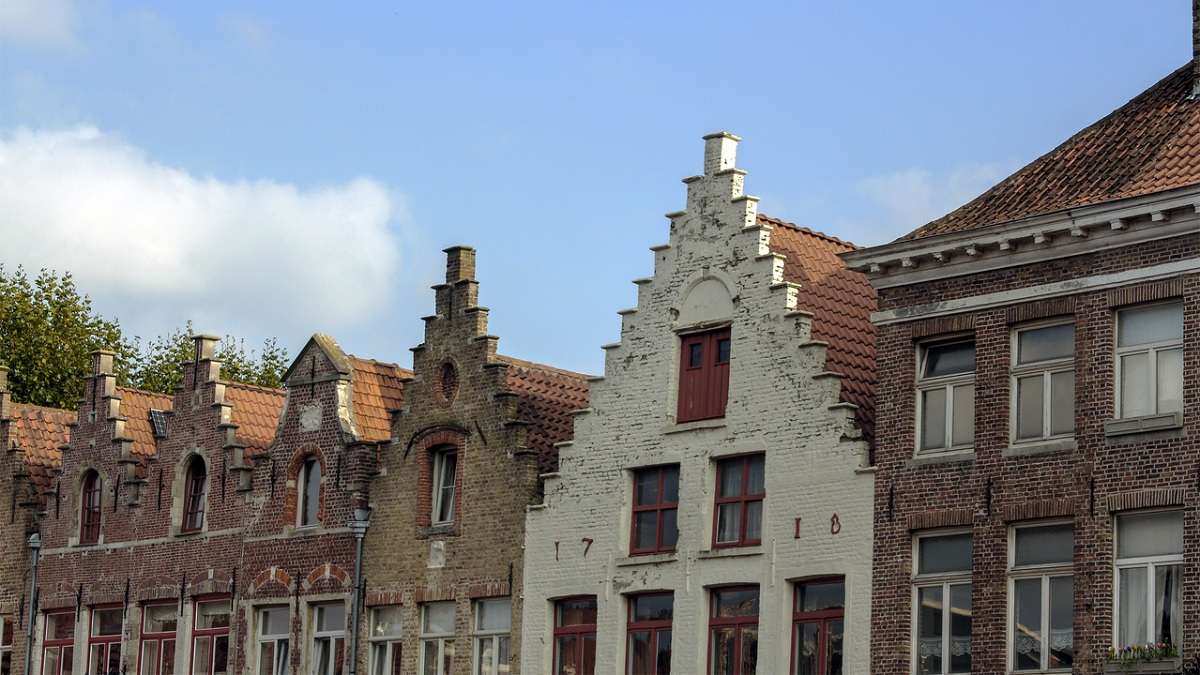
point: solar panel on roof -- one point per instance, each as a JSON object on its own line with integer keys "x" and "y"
{"x": 158, "y": 420}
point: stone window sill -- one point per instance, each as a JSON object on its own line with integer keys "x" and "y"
{"x": 681, "y": 427}
{"x": 1143, "y": 424}
{"x": 439, "y": 530}
{"x": 1043, "y": 448}
{"x": 731, "y": 552}
{"x": 650, "y": 559}
{"x": 952, "y": 457}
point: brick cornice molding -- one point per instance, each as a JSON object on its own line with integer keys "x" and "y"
{"x": 943, "y": 324}
{"x": 1158, "y": 290}
{"x": 928, "y": 520}
{"x": 1145, "y": 499}
{"x": 1042, "y": 309}
{"x": 1039, "y": 508}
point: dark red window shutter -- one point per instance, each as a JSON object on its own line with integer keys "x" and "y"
{"x": 703, "y": 375}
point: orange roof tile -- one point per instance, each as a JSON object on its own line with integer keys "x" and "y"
{"x": 256, "y": 411}
{"x": 136, "y": 405}
{"x": 547, "y": 395}
{"x": 39, "y": 432}
{"x": 1148, "y": 145}
{"x": 377, "y": 391}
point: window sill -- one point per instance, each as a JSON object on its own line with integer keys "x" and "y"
{"x": 715, "y": 423}
{"x": 439, "y": 530}
{"x": 952, "y": 457}
{"x": 730, "y": 552}
{"x": 647, "y": 559}
{"x": 1143, "y": 424}
{"x": 1048, "y": 447}
{"x": 1155, "y": 667}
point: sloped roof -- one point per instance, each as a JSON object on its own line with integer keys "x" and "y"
{"x": 256, "y": 411}
{"x": 39, "y": 432}
{"x": 378, "y": 390}
{"x": 841, "y": 301}
{"x": 546, "y": 397}
{"x": 136, "y": 405}
{"x": 1148, "y": 145}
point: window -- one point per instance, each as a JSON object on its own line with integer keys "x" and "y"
{"x": 1043, "y": 382}
{"x": 445, "y": 470}
{"x": 195, "y": 494}
{"x": 309, "y": 488}
{"x": 385, "y": 640}
{"x": 328, "y": 639}
{"x": 946, "y": 396}
{"x": 58, "y": 644}
{"x": 575, "y": 636}
{"x": 104, "y": 640}
{"x": 1042, "y": 594}
{"x": 1150, "y": 360}
{"x": 739, "y": 501}
{"x": 655, "y": 503}
{"x": 210, "y": 638}
{"x": 493, "y": 622}
{"x": 158, "y": 640}
{"x": 437, "y": 638}
{"x": 90, "y": 509}
{"x": 703, "y": 375}
{"x": 733, "y": 631}
{"x": 818, "y": 625}
{"x": 273, "y": 631}
{"x": 648, "y": 640}
{"x": 1149, "y": 578}
{"x": 6, "y": 642}
{"x": 943, "y": 600}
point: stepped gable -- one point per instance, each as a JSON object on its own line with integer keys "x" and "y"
{"x": 136, "y": 405}
{"x": 841, "y": 301}
{"x": 547, "y": 397}
{"x": 256, "y": 411}
{"x": 40, "y": 432}
{"x": 378, "y": 390}
{"x": 1148, "y": 145}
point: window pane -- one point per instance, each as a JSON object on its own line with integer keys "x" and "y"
{"x": 952, "y": 359}
{"x": 645, "y": 526}
{"x": 754, "y": 521}
{"x": 430, "y": 659}
{"x": 735, "y": 602}
{"x": 671, "y": 484}
{"x": 60, "y": 626}
{"x": 1042, "y": 545}
{"x": 807, "y": 646}
{"x": 312, "y": 492}
{"x": 379, "y": 658}
{"x": 695, "y": 355}
{"x": 201, "y": 656}
{"x": 653, "y": 607}
{"x": 948, "y": 553}
{"x": 1062, "y": 402}
{"x": 646, "y": 487}
{"x": 670, "y": 528}
{"x": 168, "y": 658}
{"x": 964, "y": 414}
{"x": 485, "y": 656}
{"x": 50, "y": 662}
{"x": 818, "y": 596}
{"x": 273, "y": 621}
{"x": 731, "y": 477}
{"x": 929, "y": 630}
{"x": 749, "y": 650}
{"x": 724, "y": 651}
{"x": 960, "y": 628}
{"x": 663, "y": 652}
{"x": 266, "y": 658}
{"x": 438, "y": 619}
{"x": 1156, "y": 323}
{"x": 1029, "y": 407}
{"x": 723, "y": 350}
{"x": 385, "y": 621}
{"x": 1146, "y": 534}
{"x": 729, "y": 519}
{"x": 106, "y": 622}
{"x": 755, "y": 479}
{"x": 933, "y": 419}
{"x": 1136, "y": 397}
{"x": 566, "y": 655}
{"x": 149, "y": 657}
{"x": 588, "y": 664}
{"x": 1170, "y": 380}
{"x": 1168, "y": 604}
{"x": 331, "y": 617}
{"x": 577, "y": 611}
{"x": 159, "y": 618}
{"x": 833, "y": 657}
{"x": 494, "y": 615}
{"x": 212, "y": 615}
{"x": 1027, "y": 624}
{"x": 639, "y": 653}
{"x": 1062, "y": 616}
{"x": 1043, "y": 344}
{"x": 1131, "y": 628}
{"x": 220, "y": 655}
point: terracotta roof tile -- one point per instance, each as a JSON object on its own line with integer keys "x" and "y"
{"x": 547, "y": 395}
{"x": 39, "y": 432}
{"x": 378, "y": 390}
{"x": 1148, "y": 145}
{"x": 136, "y": 405}
{"x": 256, "y": 411}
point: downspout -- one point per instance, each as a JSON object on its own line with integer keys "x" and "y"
{"x": 35, "y": 545}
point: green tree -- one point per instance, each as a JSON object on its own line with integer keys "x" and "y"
{"x": 156, "y": 365}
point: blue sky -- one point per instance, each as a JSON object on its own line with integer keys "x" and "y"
{"x": 285, "y": 168}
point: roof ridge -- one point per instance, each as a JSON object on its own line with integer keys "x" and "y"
{"x": 147, "y": 392}
{"x": 377, "y": 362}
{"x": 541, "y": 366}
{"x": 807, "y": 230}
{"x": 70, "y": 411}
{"x": 246, "y": 385}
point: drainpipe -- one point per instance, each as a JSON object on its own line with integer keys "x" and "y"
{"x": 35, "y": 546}
{"x": 362, "y": 520}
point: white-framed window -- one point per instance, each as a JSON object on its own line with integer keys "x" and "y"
{"x": 946, "y": 396}
{"x": 437, "y": 638}
{"x": 385, "y": 640}
{"x": 1043, "y": 382}
{"x": 445, "y": 473}
{"x": 942, "y": 603}
{"x": 1150, "y": 360}
{"x": 1041, "y": 597}
{"x": 160, "y": 624}
{"x": 308, "y": 489}
{"x": 493, "y": 623}
{"x": 328, "y": 631}
{"x": 6, "y": 642}
{"x": 273, "y": 628}
{"x": 1149, "y": 578}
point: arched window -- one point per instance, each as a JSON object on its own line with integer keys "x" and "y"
{"x": 195, "y": 491}
{"x": 89, "y": 520}
{"x": 309, "y": 488}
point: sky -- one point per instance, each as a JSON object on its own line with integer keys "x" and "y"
{"x": 284, "y": 168}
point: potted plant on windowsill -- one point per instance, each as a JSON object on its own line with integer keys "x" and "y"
{"x": 1159, "y": 658}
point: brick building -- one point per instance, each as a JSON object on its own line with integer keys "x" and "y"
{"x": 444, "y": 556}
{"x": 1038, "y": 467}
{"x": 713, "y": 512}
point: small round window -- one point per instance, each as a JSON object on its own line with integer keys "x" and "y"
{"x": 448, "y": 382}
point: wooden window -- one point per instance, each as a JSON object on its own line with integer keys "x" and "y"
{"x": 385, "y": 639}
{"x": 942, "y": 592}
{"x": 58, "y": 643}
{"x": 1043, "y": 382}
{"x": 273, "y": 628}
{"x": 157, "y": 656}
{"x": 703, "y": 375}
{"x": 655, "y": 505}
{"x": 493, "y": 625}
{"x": 648, "y": 636}
{"x": 946, "y": 396}
{"x": 104, "y": 640}
{"x": 6, "y": 642}
{"x": 1149, "y": 578}
{"x": 818, "y": 623}
{"x": 1150, "y": 360}
{"x": 733, "y": 631}
{"x": 1041, "y": 597}
{"x": 91, "y": 497}
{"x": 575, "y": 636}
{"x": 210, "y": 638}
{"x": 739, "y": 501}
{"x": 194, "y": 496}
{"x": 445, "y": 475}
{"x": 328, "y": 631}
{"x": 437, "y": 638}
{"x": 309, "y": 492}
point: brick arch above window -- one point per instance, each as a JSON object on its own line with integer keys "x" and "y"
{"x": 291, "y": 502}
{"x": 273, "y": 580}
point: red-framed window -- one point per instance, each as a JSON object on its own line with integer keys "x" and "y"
{"x": 733, "y": 631}
{"x": 648, "y": 636}
{"x": 159, "y": 623}
{"x": 818, "y": 618}
{"x": 703, "y": 375}
{"x": 575, "y": 636}
{"x": 6, "y": 643}
{"x": 210, "y": 637}
{"x": 105, "y": 624}
{"x": 194, "y": 496}
{"x": 58, "y": 643}
{"x": 741, "y": 489}
{"x": 90, "y": 508}
{"x": 655, "y": 507}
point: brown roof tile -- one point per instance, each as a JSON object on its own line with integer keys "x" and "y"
{"x": 1148, "y": 145}
{"x": 377, "y": 392}
{"x": 136, "y": 405}
{"x": 39, "y": 432}
{"x": 547, "y": 395}
{"x": 256, "y": 411}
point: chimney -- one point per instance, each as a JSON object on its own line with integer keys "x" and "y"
{"x": 460, "y": 261}
{"x": 720, "y": 151}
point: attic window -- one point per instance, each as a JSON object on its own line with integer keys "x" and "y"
{"x": 158, "y": 420}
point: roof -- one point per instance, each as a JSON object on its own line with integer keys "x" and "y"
{"x": 377, "y": 392}
{"x": 841, "y": 301}
{"x": 1148, "y": 145}
{"x": 136, "y": 405}
{"x": 546, "y": 398}
{"x": 39, "y": 432}
{"x": 256, "y": 411}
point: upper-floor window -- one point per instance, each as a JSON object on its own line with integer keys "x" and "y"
{"x": 703, "y": 375}
{"x": 58, "y": 643}
{"x": 445, "y": 475}
{"x": 194, "y": 495}
{"x": 575, "y": 636}
{"x": 648, "y": 643}
{"x": 739, "y": 501}
{"x": 946, "y": 396}
{"x": 1150, "y": 360}
{"x": 942, "y": 589}
{"x": 90, "y": 508}
{"x": 493, "y": 625}
{"x": 1149, "y": 578}
{"x": 6, "y": 641}
{"x": 309, "y": 492}
{"x": 1043, "y": 382}
{"x": 210, "y": 637}
{"x": 104, "y": 640}
{"x": 386, "y": 640}
{"x": 1042, "y": 597}
{"x": 818, "y": 626}
{"x": 437, "y": 638}
{"x": 158, "y": 639}
{"x": 273, "y": 634}
{"x": 733, "y": 631}
{"x": 328, "y": 650}
{"x": 655, "y": 505}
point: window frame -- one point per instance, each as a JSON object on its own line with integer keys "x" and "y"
{"x": 1044, "y": 572}
{"x": 709, "y": 381}
{"x": 392, "y": 645}
{"x": 274, "y": 639}
{"x": 653, "y": 626}
{"x": 159, "y": 637}
{"x": 659, "y": 507}
{"x": 1150, "y": 348}
{"x": 91, "y": 507}
{"x": 437, "y": 461}
{"x": 302, "y": 497}
{"x": 479, "y": 636}
{"x": 1047, "y": 369}
{"x": 58, "y": 646}
{"x": 193, "y": 517}
{"x": 945, "y": 581}
{"x": 7, "y": 628}
{"x": 442, "y": 639}
{"x": 1149, "y": 563}
{"x": 947, "y": 383}
{"x": 213, "y": 634}
{"x": 107, "y": 641}
{"x": 743, "y": 498}
{"x": 739, "y": 623}
{"x": 333, "y": 635}
{"x": 578, "y": 630}
{"x": 824, "y": 617}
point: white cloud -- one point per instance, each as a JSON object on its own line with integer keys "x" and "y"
{"x": 912, "y": 197}
{"x": 159, "y": 245}
{"x": 40, "y": 23}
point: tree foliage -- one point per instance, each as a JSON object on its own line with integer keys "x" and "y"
{"x": 156, "y": 366}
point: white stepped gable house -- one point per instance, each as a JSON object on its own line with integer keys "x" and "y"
{"x": 714, "y": 510}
